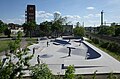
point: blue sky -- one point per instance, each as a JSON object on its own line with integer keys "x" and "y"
{"x": 87, "y": 11}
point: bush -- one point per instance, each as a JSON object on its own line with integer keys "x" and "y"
{"x": 69, "y": 73}
{"x": 41, "y": 71}
{"x": 113, "y": 47}
{"x": 95, "y": 40}
{"x": 104, "y": 44}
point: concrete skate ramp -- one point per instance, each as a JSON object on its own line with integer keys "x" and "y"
{"x": 92, "y": 53}
{"x": 76, "y": 51}
{"x": 61, "y": 42}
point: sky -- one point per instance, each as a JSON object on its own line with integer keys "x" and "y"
{"x": 87, "y": 11}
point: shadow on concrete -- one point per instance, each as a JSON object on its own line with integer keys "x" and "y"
{"x": 92, "y": 53}
{"x": 65, "y": 67}
{"x": 62, "y": 42}
{"x": 46, "y": 56}
{"x": 65, "y": 56}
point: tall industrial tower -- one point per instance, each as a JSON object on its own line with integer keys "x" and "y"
{"x": 30, "y": 13}
{"x": 102, "y": 18}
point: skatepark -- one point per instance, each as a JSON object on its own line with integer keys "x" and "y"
{"x": 85, "y": 57}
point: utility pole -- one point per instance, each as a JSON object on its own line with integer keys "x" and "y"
{"x": 102, "y": 18}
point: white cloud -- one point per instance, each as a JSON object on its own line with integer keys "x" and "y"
{"x": 43, "y": 14}
{"x": 92, "y": 16}
{"x": 16, "y": 20}
{"x": 88, "y": 16}
{"x": 73, "y": 16}
{"x": 90, "y": 8}
{"x": 57, "y": 12}
{"x": 97, "y": 15}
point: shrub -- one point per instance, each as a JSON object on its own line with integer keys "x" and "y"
{"x": 41, "y": 71}
{"x": 95, "y": 40}
{"x": 69, "y": 73}
{"x": 104, "y": 44}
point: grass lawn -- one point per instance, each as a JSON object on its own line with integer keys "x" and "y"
{"x": 31, "y": 40}
{"x": 4, "y": 45}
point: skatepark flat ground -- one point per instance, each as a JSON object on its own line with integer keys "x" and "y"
{"x": 57, "y": 59}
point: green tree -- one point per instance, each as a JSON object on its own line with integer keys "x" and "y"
{"x": 26, "y": 29}
{"x": 3, "y": 26}
{"x": 29, "y": 28}
{"x": 79, "y": 31}
{"x": 57, "y": 27}
{"x": 69, "y": 73}
{"x": 32, "y": 26}
{"x": 107, "y": 30}
{"x": 117, "y": 30}
{"x": 45, "y": 27}
{"x": 19, "y": 35}
{"x": 7, "y": 32}
{"x": 10, "y": 69}
{"x": 41, "y": 71}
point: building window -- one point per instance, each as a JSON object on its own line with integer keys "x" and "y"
{"x": 31, "y": 8}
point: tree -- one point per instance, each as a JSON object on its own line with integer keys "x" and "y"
{"x": 3, "y": 26}
{"x": 41, "y": 71}
{"x": 45, "y": 27}
{"x": 69, "y": 73}
{"x": 7, "y": 32}
{"x": 26, "y": 29}
{"x": 10, "y": 69}
{"x": 107, "y": 30}
{"x": 117, "y": 30}
{"x": 79, "y": 31}
{"x": 57, "y": 27}
{"x": 31, "y": 25}
{"x": 29, "y": 28}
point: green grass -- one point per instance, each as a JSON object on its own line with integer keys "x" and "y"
{"x": 31, "y": 41}
{"x": 4, "y": 45}
{"x": 113, "y": 54}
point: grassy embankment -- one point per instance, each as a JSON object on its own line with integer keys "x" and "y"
{"x": 4, "y": 44}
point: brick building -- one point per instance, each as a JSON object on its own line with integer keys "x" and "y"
{"x": 30, "y": 13}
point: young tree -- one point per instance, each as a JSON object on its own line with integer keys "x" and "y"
{"x": 10, "y": 69}
{"x": 79, "y": 31}
{"x": 112, "y": 76}
{"x": 41, "y": 71}
{"x": 69, "y": 73}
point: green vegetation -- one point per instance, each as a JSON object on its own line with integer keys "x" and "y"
{"x": 4, "y": 45}
{"x": 41, "y": 71}
{"x": 29, "y": 28}
{"x": 79, "y": 30}
{"x": 69, "y": 73}
{"x": 112, "y": 76}
{"x": 10, "y": 69}
{"x": 30, "y": 41}
{"x": 113, "y": 30}
{"x": 109, "y": 47}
